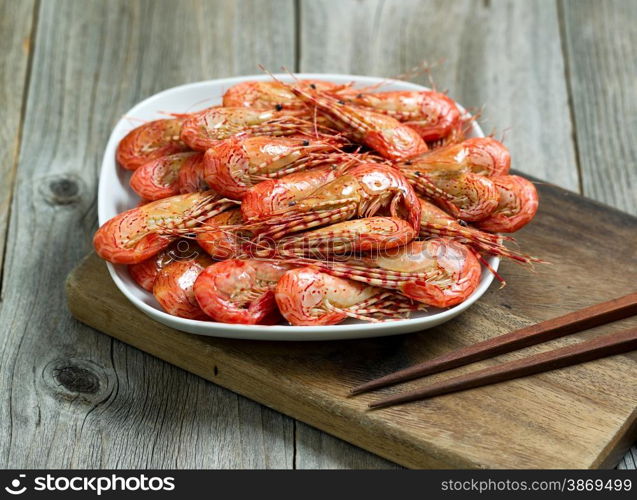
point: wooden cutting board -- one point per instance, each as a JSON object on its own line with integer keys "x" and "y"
{"x": 582, "y": 416}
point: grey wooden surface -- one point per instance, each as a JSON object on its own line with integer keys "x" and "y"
{"x": 556, "y": 77}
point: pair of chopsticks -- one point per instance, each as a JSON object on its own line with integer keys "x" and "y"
{"x": 589, "y": 317}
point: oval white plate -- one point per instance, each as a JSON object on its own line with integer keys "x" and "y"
{"x": 115, "y": 196}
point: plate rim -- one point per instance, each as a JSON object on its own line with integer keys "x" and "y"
{"x": 275, "y": 332}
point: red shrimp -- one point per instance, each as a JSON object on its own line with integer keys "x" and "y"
{"x": 436, "y": 222}
{"x": 382, "y": 133}
{"x": 141, "y": 232}
{"x": 240, "y": 291}
{"x": 150, "y": 141}
{"x": 271, "y": 94}
{"x": 516, "y": 208}
{"x": 145, "y": 272}
{"x": 204, "y": 129}
{"x": 376, "y": 234}
{"x": 173, "y": 287}
{"x": 464, "y": 195}
{"x": 266, "y": 198}
{"x": 432, "y": 114}
{"x": 307, "y": 296}
{"x": 438, "y": 272}
{"x": 235, "y": 164}
{"x": 222, "y": 244}
{"x": 363, "y": 191}
{"x": 191, "y": 176}
{"x": 159, "y": 178}
{"x": 479, "y": 155}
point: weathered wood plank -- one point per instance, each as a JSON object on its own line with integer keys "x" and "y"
{"x": 600, "y": 40}
{"x": 16, "y": 20}
{"x": 630, "y": 460}
{"x": 503, "y": 55}
{"x": 317, "y": 450}
{"x": 70, "y": 397}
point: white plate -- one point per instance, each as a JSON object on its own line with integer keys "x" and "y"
{"x": 115, "y": 196}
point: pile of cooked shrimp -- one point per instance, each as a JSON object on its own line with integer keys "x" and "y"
{"x": 311, "y": 202}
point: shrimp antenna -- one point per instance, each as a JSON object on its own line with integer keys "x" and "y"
{"x": 133, "y": 119}
{"x": 504, "y": 133}
{"x": 283, "y": 68}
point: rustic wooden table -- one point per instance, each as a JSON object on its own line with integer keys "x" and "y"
{"x": 558, "y": 77}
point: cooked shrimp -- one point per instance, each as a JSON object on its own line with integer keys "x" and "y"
{"x": 221, "y": 243}
{"x": 438, "y": 272}
{"x": 240, "y": 291}
{"x": 480, "y": 155}
{"x": 269, "y": 197}
{"x": 382, "y": 133}
{"x": 432, "y": 114}
{"x": 159, "y": 178}
{"x": 145, "y": 273}
{"x": 173, "y": 287}
{"x": 307, "y": 296}
{"x": 141, "y": 232}
{"x": 363, "y": 191}
{"x": 516, "y": 208}
{"x": 204, "y": 129}
{"x": 376, "y": 234}
{"x": 150, "y": 141}
{"x": 271, "y": 94}
{"x": 234, "y": 165}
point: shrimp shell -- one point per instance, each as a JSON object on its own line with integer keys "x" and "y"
{"x": 436, "y": 222}
{"x": 204, "y": 129}
{"x": 432, "y": 114}
{"x": 516, "y": 208}
{"x": 307, "y": 296}
{"x": 479, "y": 155}
{"x": 269, "y": 197}
{"x": 376, "y": 234}
{"x": 464, "y": 195}
{"x": 144, "y": 273}
{"x": 235, "y": 164}
{"x": 139, "y": 233}
{"x": 221, "y": 244}
{"x": 240, "y": 291}
{"x": 362, "y": 191}
{"x": 150, "y": 141}
{"x": 271, "y": 94}
{"x": 173, "y": 287}
{"x": 438, "y": 272}
{"x": 159, "y": 178}
{"x": 382, "y": 133}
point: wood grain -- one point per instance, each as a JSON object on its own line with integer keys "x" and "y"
{"x": 600, "y": 40}
{"x": 16, "y": 19}
{"x": 502, "y": 55}
{"x": 70, "y": 397}
{"x": 317, "y": 450}
{"x": 629, "y": 461}
{"x": 582, "y": 416}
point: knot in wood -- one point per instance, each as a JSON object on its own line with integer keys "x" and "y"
{"x": 77, "y": 379}
{"x": 61, "y": 189}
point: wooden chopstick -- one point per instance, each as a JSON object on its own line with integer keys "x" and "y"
{"x": 589, "y": 317}
{"x": 589, "y": 350}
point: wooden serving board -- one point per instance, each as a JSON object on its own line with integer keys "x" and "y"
{"x": 578, "y": 417}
